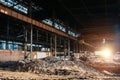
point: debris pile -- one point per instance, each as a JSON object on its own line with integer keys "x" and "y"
{"x": 55, "y": 66}
{"x": 44, "y": 67}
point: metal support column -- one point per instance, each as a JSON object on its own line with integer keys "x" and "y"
{"x": 73, "y": 46}
{"x": 68, "y": 47}
{"x": 55, "y": 45}
{"x": 65, "y": 48}
{"x": 25, "y": 45}
{"x": 31, "y": 41}
{"x": 78, "y": 47}
{"x": 31, "y": 30}
{"x": 51, "y": 47}
{"x": 37, "y": 42}
{"x": 8, "y": 27}
{"x": 47, "y": 42}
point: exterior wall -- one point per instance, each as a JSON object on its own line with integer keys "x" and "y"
{"x": 9, "y": 55}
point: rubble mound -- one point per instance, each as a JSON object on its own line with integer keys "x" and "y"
{"x": 56, "y": 69}
{"x": 43, "y": 67}
{"x": 51, "y": 59}
{"x": 53, "y": 66}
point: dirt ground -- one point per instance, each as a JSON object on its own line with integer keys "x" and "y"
{"x": 10, "y": 75}
{"x": 50, "y": 69}
{"x": 27, "y": 76}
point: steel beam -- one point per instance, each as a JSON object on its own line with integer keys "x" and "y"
{"x": 11, "y": 13}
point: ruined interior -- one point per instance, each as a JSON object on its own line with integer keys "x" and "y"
{"x": 59, "y": 39}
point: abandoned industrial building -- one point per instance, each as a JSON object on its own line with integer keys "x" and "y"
{"x": 59, "y": 40}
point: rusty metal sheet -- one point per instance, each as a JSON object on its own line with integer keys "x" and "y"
{"x": 37, "y": 23}
{"x": 0, "y": 7}
{"x": 8, "y": 12}
{"x": 2, "y": 10}
{"x": 14, "y": 14}
{"x": 29, "y": 20}
{"x": 33, "y": 22}
{"x": 49, "y": 28}
{"x": 45, "y": 27}
{"x": 40, "y": 24}
{"x": 25, "y": 18}
{"x": 20, "y": 17}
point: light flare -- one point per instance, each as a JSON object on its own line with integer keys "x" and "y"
{"x": 106, "y": 53}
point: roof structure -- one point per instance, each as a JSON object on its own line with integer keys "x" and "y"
{"x": 95, "y": 20}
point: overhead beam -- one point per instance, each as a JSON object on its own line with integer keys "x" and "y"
{"x": 26, "y": 19}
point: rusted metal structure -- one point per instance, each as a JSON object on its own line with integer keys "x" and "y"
{"x": 29, "y": 39}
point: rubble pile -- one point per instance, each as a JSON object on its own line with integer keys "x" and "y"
{"x": 54, "y": 66}
{"x": 51, "y": 59}
{"x": 43, "y": 67}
